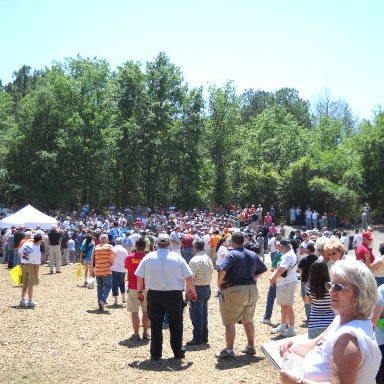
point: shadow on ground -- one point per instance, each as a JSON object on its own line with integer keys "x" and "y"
{"x": 237, "y": 362}
{"x": 98, "y": 312}
{"x": 133, "y": 343}
{"x": 162, "y": 365}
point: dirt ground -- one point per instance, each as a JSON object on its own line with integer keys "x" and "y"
{"x": 67, "y": 339}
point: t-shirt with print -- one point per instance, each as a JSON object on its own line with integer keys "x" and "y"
{"x": 30, "y": 253}
{"x": 289, "y": 261}
{"x": 132, "y": 261}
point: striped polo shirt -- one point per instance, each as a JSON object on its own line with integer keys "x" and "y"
{"x": 103, "y": 258}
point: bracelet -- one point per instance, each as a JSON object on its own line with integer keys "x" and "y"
{"x": 139, "y": 291}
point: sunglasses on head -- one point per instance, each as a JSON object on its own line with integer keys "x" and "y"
{"x": 335, "y": 287}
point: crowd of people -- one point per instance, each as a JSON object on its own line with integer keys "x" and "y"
{"x": 160, "y": 261}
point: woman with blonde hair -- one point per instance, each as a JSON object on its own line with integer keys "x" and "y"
{"x": 346, "y": 351}
{"x": 333, "y": 251}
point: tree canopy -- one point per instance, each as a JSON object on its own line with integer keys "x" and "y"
{"x": 80, "y": 132}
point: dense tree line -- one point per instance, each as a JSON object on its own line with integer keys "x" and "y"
{"x": 79, "y": 132}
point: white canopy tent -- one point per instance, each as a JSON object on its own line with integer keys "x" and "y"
{"x": 30, "y": 217}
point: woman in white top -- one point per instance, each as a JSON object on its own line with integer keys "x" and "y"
{"x": 346, "y": 352}
{"x": 221, "y": 251}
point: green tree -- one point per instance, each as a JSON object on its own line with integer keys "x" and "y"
{"x": 369, "y": 145}
{"x": 221, "y": 136}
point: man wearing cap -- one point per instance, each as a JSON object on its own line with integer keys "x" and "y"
{"x": 133, "y": 304}
{"x": 30, "y": 256}
{"x": 236, "y": 280}
{"x": 364, "y": 252}
{"x": 285, "y": 279}
{"x": 166, "y": 275}
{"x": 202, "y": 268}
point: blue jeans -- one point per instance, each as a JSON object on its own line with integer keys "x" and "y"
{"x": 187, "y": 254}
{"x": 104, "y": 286}
{"x": 307, "y": 307}
{"x": 265, "y": 243}
{"x": 308, "y": 223}
{"x": 118, "y": 281}
{"x": 16, "y": 257}
{"x": 270, "y": 301}
{"x": 199, "y": 313}
{"x": 273, "y": 255}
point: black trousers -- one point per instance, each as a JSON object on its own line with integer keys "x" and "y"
{"x": 171, "y": 302}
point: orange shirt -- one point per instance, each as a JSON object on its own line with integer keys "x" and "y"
{"x": 104, "y": 257}
{"x": 24, "y": 241}
{"x": 214, "y": 240}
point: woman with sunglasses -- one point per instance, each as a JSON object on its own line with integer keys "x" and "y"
{"x": 334, "y": 250}
{"x": 345, "y": 352}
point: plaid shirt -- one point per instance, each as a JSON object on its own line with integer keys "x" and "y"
{"x": 202, "y": 269}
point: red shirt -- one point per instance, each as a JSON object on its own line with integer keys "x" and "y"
{"x": 132, "y": 261}
{"x": 361, "y": 250}
{"x": 187, "y": 241}
{"x": 268, "y": 219}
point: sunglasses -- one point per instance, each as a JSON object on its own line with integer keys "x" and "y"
{"x": 335, "y": 287}
{"x": 332, "y": 253}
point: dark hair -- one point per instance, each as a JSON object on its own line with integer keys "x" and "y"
{"x": 238, "y": 238}
{"x": 220, "y": 242}
{"x": 88, "y": 239}
{"x": 381, "y": 249}
{"x": 141, "y": 243}
{"x": 318, "y": 276}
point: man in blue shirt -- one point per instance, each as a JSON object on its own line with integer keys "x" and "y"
{"x": 236, "y": 280}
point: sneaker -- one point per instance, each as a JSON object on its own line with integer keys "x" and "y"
{"x": 289, "y": 332}
{"x": 23, "y": 303}
{"x": 31, "y": 304}
{"x": 135, "y": 337}
{"x": 265, "y": 321}
{"x": 146, "y": 336}
{"x": 225, "y": 354}
{"x": 249, "y": 350}
{"x": 101, "y": 305}
{"x": 280, "y": 328}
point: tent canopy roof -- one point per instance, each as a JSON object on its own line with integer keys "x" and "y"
{"x": 30, "y": 217}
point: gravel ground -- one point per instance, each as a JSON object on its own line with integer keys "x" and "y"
{"x": 66, "y": 339}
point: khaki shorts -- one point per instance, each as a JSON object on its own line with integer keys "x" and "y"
{"x": 285, "y": 294}
{"x": 29, "y": 276}
{"x": 133, "y": 304}
{"x": 238, "y": 303}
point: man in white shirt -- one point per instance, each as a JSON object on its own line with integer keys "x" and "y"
{"x": 308, "y": 218}
{"x": 315, "y": 218}
{"x": 357, "y": 240}
{"x": 166, "y": 275}
{"x": 285, "y": 278}
{"x": 175, "y": 238}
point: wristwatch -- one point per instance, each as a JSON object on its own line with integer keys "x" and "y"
{"x": 299, "y": 380}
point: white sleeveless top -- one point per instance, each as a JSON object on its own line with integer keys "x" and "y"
{"x": 317, "y": 363}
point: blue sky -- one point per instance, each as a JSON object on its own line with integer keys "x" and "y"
{"x": 303, "y": 44}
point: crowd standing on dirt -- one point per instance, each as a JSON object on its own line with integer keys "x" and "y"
{"x": 150, "y": 257}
